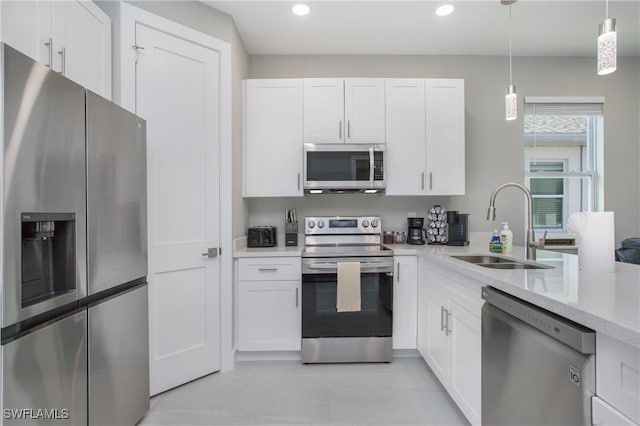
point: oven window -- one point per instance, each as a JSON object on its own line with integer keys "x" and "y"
{"x": 321, "y": 319}
{"x": 338, "y": 166}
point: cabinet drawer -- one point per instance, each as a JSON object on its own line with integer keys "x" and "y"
{"x": 269, "y": 268}
{"x": 618, "y": 375}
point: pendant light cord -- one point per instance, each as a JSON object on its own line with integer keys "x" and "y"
{"x": 510, "y": 76}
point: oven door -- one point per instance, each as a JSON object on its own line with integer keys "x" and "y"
{"x": 319, "y": 288}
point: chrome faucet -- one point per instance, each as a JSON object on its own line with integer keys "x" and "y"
{"x": 532, "y": 244}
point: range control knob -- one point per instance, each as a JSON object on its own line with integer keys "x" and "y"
{"x": 312, "y": 224}
{"x": 374, "y": 223}
{"x": 321, "y": 224}
{"x": 365, "y": 223}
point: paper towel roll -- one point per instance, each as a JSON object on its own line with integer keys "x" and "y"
{"x": 595, "y": 236}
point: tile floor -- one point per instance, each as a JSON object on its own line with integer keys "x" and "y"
{"x": 404, "y": 392}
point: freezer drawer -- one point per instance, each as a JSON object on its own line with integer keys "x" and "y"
{"x": 45, "y": 375}
{"x": 119, "y": 359}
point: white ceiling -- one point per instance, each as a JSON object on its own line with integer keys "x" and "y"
{"x": 476, "y": 27}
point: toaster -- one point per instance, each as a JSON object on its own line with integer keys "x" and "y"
{"x": 261, "y": 236}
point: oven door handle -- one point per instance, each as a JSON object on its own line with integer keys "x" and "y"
{"x": 365, "y": 267}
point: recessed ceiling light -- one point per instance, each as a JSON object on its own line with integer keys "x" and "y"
{"x": 300, "y": 9}
{"x": 444, "y": 10}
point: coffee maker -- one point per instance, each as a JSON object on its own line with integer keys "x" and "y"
{"x": 458, "y": 228}
{"x": 415, "y": 234}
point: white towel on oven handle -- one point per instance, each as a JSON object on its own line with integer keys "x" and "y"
{"x": 348, "y": 291}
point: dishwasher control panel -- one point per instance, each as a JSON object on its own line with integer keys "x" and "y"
{"x": 568, "y": 332}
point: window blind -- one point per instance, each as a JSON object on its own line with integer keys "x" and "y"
{"x": 542, "y": 105}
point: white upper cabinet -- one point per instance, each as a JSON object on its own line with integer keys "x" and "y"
{"x": 324, "y": 110}
{"x": 26, "y": 26}
{"x": 406, "y": 148}
{"x": 72, "y": 37}
{"x": 82, "y": 44}
{"x": 348, "y": 110}
{"x": 425, "y": 137}
{"x": 445, "y": 137}
{"x": 364, "y": 110}
{"x": 272, "y": 151}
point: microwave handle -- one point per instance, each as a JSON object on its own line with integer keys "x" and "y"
{"x": 371, "y": 166}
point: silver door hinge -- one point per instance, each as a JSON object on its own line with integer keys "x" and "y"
{"x": 138, "y": 50}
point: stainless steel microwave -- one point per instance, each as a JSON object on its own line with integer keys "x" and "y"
{"x": 338, "y": 168}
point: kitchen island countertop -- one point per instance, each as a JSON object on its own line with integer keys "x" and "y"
{"x": 608, "y": 303}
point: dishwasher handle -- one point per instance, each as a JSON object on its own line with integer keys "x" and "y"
{"x": 572, "y": 334}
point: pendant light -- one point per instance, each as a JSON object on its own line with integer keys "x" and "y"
{"x": 511, "y": 99}
{"x": 607, "y": 44}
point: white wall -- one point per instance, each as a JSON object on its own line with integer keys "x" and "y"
{"x": 494, "y": 147}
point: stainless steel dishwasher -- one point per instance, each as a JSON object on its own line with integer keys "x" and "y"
{"x": 537, "y": 367}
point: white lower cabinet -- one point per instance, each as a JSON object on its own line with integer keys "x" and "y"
{"x": 405, "y": 304}
{"x": 269, "y": 304}
{"x": 617, "y": 380}
{"x": 449, "y": 336}
{"x": 605, "y": 415}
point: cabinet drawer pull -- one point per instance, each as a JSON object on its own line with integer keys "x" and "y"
{"x": 447, "y": 330}
{"x": 267, "y": 269}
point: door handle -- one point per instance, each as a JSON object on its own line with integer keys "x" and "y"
{"x": 349, "y": 129}
{"x": 340, "y": 130}
{"x": 442, "y": 324}
{"x": 49, "y": 44}
{"x": 398, "y": 275}
{"x": 422, "y": 180}
{"x": 296, "y": 297}
{"x": 447, "y": 330}
{"x": 211, "y": 252}
{"x": 430, "y": 180}
{"x": 63, "y": 52}
{"x": 298, "y": 181}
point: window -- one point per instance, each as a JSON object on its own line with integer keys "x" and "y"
{"x": 562, "y": 140}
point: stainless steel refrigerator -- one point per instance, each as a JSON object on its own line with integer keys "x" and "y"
{"x": 73, "y": 218}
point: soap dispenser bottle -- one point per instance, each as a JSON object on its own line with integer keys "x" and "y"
{"x": 506, "y": 237}
{"x": 495, "y": 245}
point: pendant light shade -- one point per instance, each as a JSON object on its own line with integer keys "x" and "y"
{"x": 511, "y": 103}
{"x": 511, "y": 99}
{"x": 607, "y": 47}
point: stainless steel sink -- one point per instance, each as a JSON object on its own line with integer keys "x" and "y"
{"x": 512, "y": 265}
{"x": 484, "y": 259}
{"x": 496, "y": 262}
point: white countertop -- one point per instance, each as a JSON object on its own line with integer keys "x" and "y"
{"x": 606, "y": 302}
{"x": 240, "y": 249}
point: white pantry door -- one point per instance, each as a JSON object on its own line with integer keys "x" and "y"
{"x": 178, "y": 93}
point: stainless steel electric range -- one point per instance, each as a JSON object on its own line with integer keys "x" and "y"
{"x": 358, "y": 336}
